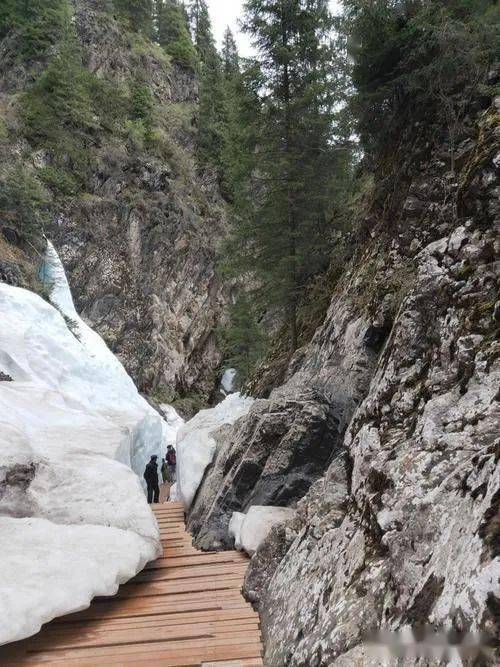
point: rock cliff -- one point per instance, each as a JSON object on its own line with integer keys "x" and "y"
{"x": 140, "y": 244}
{"x": 385, "y": 433}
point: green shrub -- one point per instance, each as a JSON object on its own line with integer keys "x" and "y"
{"x": 144, "y": 47}
{"x": 23, "y": 204}
{"x": 137, "y": 134}
{"x": 60, "y": 181}
{"x": 136, "y": 14}
{"x": 110, "y": 102}
{"x": 4, "y": 132}
{"x": 38, "y": 24}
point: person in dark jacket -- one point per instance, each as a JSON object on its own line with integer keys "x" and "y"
{"x": 171, "y": 460}
{"x": 151, "y": 477}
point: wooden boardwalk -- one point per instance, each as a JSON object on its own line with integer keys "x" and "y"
{"x": 184, "y": 609}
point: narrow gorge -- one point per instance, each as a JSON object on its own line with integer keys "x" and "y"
{"x": 284, "y": 264}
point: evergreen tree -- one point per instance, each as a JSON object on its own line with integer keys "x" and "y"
{"x": 414, "y": 61}
{"x": 137, "y": 14}
{"x": 282, "y": 242}
{"x": 37, "y": 24}
{"x": 230, "y": 57}
{"x": 202, "y": 30}
{"x": 6, "y": 16}
{"x": 211, "y": 112}
{"x": 59, "y": 100}
{"x": 22, "y": 202}
{"x": 57, "y": 111}
{"x": 235, "y": 117}
{"x": 242, "y": 339}
{"x": 239, "y": 158}
{"x": 173, "y": 32}
{"x": 143, "y": 109}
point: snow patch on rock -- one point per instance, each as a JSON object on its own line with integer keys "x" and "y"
{"x": 234, "y": 528}
{"x": 228, "y": 382}
{"x": 196, "y": 446}
{"x": 251, "y": 529}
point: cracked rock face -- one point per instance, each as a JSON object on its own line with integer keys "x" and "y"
{"x": 404, "y": 530}
{"x": 403, "y": 527}
{"x": 141, "y": 244}
{"x": 405, "y": 535}
{"x": 271, "y": 458}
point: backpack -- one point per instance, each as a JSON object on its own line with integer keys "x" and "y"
{"x": 171, "y": 458}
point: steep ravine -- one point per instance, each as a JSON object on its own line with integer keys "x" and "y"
{"x": 385, "y": 434}
{"x": 141, "y": 242}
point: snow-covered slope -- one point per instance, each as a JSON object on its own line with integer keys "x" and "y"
{"x": 74, "y": 522}
{"x": 196, "y": 446}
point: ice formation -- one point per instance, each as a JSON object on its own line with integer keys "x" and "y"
{"x": 228, "y": 382}
{"x": 250, "y": 530}
{"x": 74, "y": 522}
{"x": 196, "y": 446}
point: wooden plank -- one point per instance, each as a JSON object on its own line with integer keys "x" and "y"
{"x": 252, "y": 662}
{"x": 185, "y": 609}
{"x": 198, "y": 559}
{"x": 166, "y": 606}
{"x": 232, "y": 617}
{"x": 163, "y": 657}
{"x": 192, "y": 572}
{"x": 92, "y": 637}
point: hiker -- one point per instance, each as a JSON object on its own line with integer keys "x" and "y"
{"x": 164, "y": 471}
{"x": 171, "y": 459}
{"x": 151, "y": 477}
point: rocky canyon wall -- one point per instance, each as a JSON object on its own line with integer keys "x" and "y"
{"x": 141, "y": 243}
{"x": 385, "y": 434}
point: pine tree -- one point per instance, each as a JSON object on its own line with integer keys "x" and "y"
{"x": 239, "y": 158}
{"x": 23, "y": 203}
{"x": 173, "y": 32}
{"x": 59, "y": 101}
{"x": 282, "y": 241}
{"x": 143, "y": 109}
{"x": 6, "y": 16}
{"x": 211, "y": 112}
{"x": 58, "y": 113}
{"x": 234, "y": 125}
{"x": 412, "y": 61}
{"x": 137, "y": 14}
{"x": 202, "y": 30}
{"x": 230, "y": 56}
{"x": 242, "y": 338}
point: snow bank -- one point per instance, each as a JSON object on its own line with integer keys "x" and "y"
{"x": 196, "y": 446}
{"x": 251, "y": 529}
{"x": 47, "y": 569}
{"x": 102, "y": 383}
{"x": 74, "y": 522}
